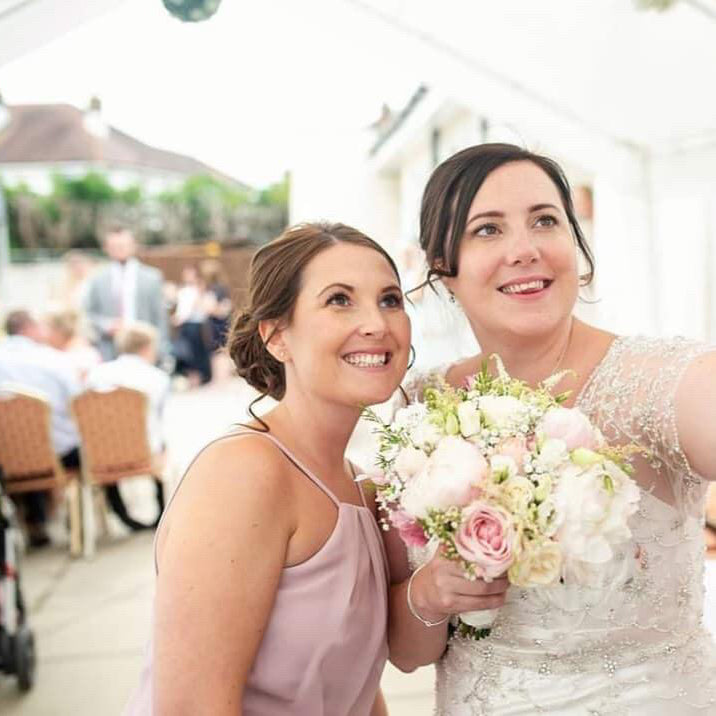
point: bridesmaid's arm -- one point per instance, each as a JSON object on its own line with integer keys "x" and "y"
{"x": 411, "y": 643}
{"x": 221, "y": 551}
{"x": 438, "y": 590}
{"x": 379, "y": 707}
{"x": 696, "y": 415}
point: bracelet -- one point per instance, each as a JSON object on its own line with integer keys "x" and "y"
{"x": 412, "y": 608}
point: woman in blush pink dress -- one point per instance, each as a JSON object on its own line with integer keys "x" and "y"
{"x": 271, "y": 575}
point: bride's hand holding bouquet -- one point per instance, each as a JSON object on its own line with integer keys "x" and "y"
{"x": 502, "y": 482}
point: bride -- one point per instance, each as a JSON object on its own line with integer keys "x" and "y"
{"x": 498, "y": 230}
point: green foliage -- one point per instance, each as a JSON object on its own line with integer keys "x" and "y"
{"x": 202, "y": 208}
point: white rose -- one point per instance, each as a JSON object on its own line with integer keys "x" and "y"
{"x": 552, "y": 454}
{"x": 426, "y": 434}
{"x": 500, "y": 411}
{"x": 449, "y": 478}
{"x": 410, "y": 462}
{"x": 469, "y": 417}
{"x": 409, "y": 416}
{"x": 547, "y": 518}
{"x": 503, "y": 467}
{"x": 517, "y": 493}
{"x": 594, "y": 507}
{"x": 539, "y": 564}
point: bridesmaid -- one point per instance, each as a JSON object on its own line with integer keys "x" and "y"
{"x": 271, "y": 576}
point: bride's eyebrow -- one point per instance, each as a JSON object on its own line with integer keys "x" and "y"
{"x": 482, "y": 214}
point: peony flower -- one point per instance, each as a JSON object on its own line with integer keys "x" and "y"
{"x": 410, "y": 462}
{"x": 409, "y": 529}
{"x": 469, "y": 417}
{"x": 449, "y": 478}
{"x": 571, "y": 426}
{"x": 594, "y": 507}
{"x": 539, "y": 564}
{"x": 485, "y": 539}
{"x": 499, "y": 411}
{"x": 552, "y": 454}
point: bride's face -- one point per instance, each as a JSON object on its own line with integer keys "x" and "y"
{"x": 349, "y": 336}
{"x": 517, "y": 262}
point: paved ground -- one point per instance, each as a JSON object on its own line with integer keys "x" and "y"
{"x": 92, "y": 618}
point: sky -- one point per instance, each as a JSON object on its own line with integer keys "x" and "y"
{"x": 241, "y": 92}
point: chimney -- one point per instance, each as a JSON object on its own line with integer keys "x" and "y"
{"x": 93, "y": 121}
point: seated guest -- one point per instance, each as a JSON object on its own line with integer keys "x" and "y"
{"x": 136, "y": 344}
{"x": 62, "y": 333}
{"x": 26, "y": 361}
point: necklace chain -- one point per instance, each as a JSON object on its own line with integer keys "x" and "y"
{"x": 562, "y": 355}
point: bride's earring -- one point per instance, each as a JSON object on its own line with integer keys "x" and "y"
{"x": 452, "y": 297}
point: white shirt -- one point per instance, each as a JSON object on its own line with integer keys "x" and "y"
{"x": 44, "y": 370}
{"x": 131, "y": 371}
{"x": 124, "y": 284}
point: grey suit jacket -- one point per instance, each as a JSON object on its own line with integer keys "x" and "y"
{"x": 102, "y": 309}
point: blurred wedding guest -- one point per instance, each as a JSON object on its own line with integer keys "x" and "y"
{"x": 217, "y": 301}
{"x": 125, "y": 291}
{"x": 71, "y": 291}
{"x": 62, "y": 333}
{"x": 135, "y": 368}
{"x": 190, "y": 318}
{"x": 26, "y": 361}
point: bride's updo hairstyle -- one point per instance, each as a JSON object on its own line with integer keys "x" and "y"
{"x": 451, "y": 189}
{"x": 275, "y": 278}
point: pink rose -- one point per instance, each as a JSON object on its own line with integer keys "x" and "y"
{"x": 569, "y": 425}
{"x": 516, "y": 448}
{"x": 409, "y": 529}
{"x": 486, "y": 539}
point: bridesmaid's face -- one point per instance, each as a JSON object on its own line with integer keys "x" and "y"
{"x": 517, "y": 262}
{"x": 349, "y": 336}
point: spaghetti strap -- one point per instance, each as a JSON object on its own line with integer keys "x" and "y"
{"x": 292, "y": 458}
{"x": 237, "y": 434}
{"x": 360, "y": 487}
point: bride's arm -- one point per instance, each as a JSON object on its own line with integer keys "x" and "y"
{"x": 696, "y": 415}
{"x": 437, "y": 591}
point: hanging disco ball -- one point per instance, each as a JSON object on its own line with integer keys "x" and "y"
{"x": 192, "y": 10}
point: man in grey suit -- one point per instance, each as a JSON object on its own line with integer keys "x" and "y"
{"x": 124, "y": 292}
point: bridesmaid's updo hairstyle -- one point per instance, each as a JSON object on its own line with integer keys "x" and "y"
{"x": 451, "y": 189}
{"x": 275, "y": 277}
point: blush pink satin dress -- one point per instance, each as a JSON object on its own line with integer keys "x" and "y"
{"x": 325, "y": 644}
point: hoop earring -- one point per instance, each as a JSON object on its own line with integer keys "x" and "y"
{"x": 411, "y": 360}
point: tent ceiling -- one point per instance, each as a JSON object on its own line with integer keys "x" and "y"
{"x": 644, "y": 77}
{"x": 26, "y": 25}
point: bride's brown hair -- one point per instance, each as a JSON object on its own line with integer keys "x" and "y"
{"x": 274, "y": 284}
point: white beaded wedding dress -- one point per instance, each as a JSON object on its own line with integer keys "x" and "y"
{"x": 637, "y": 644}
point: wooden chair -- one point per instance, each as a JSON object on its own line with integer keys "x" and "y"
{"x": 114, "y": 445}
{"x": 27, "y": 454}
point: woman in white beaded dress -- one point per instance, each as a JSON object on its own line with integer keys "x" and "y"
{"x": 499, "y": 231}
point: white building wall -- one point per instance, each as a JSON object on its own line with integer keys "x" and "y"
{"x": 684, "y": 191}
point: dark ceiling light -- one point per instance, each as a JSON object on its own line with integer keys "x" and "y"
{"x": 192, "y": 10}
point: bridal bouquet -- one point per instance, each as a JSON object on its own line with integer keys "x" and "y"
{"x": 504, "y": 479}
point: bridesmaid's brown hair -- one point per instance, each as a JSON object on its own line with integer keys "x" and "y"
{"x": 274, "y": 284}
